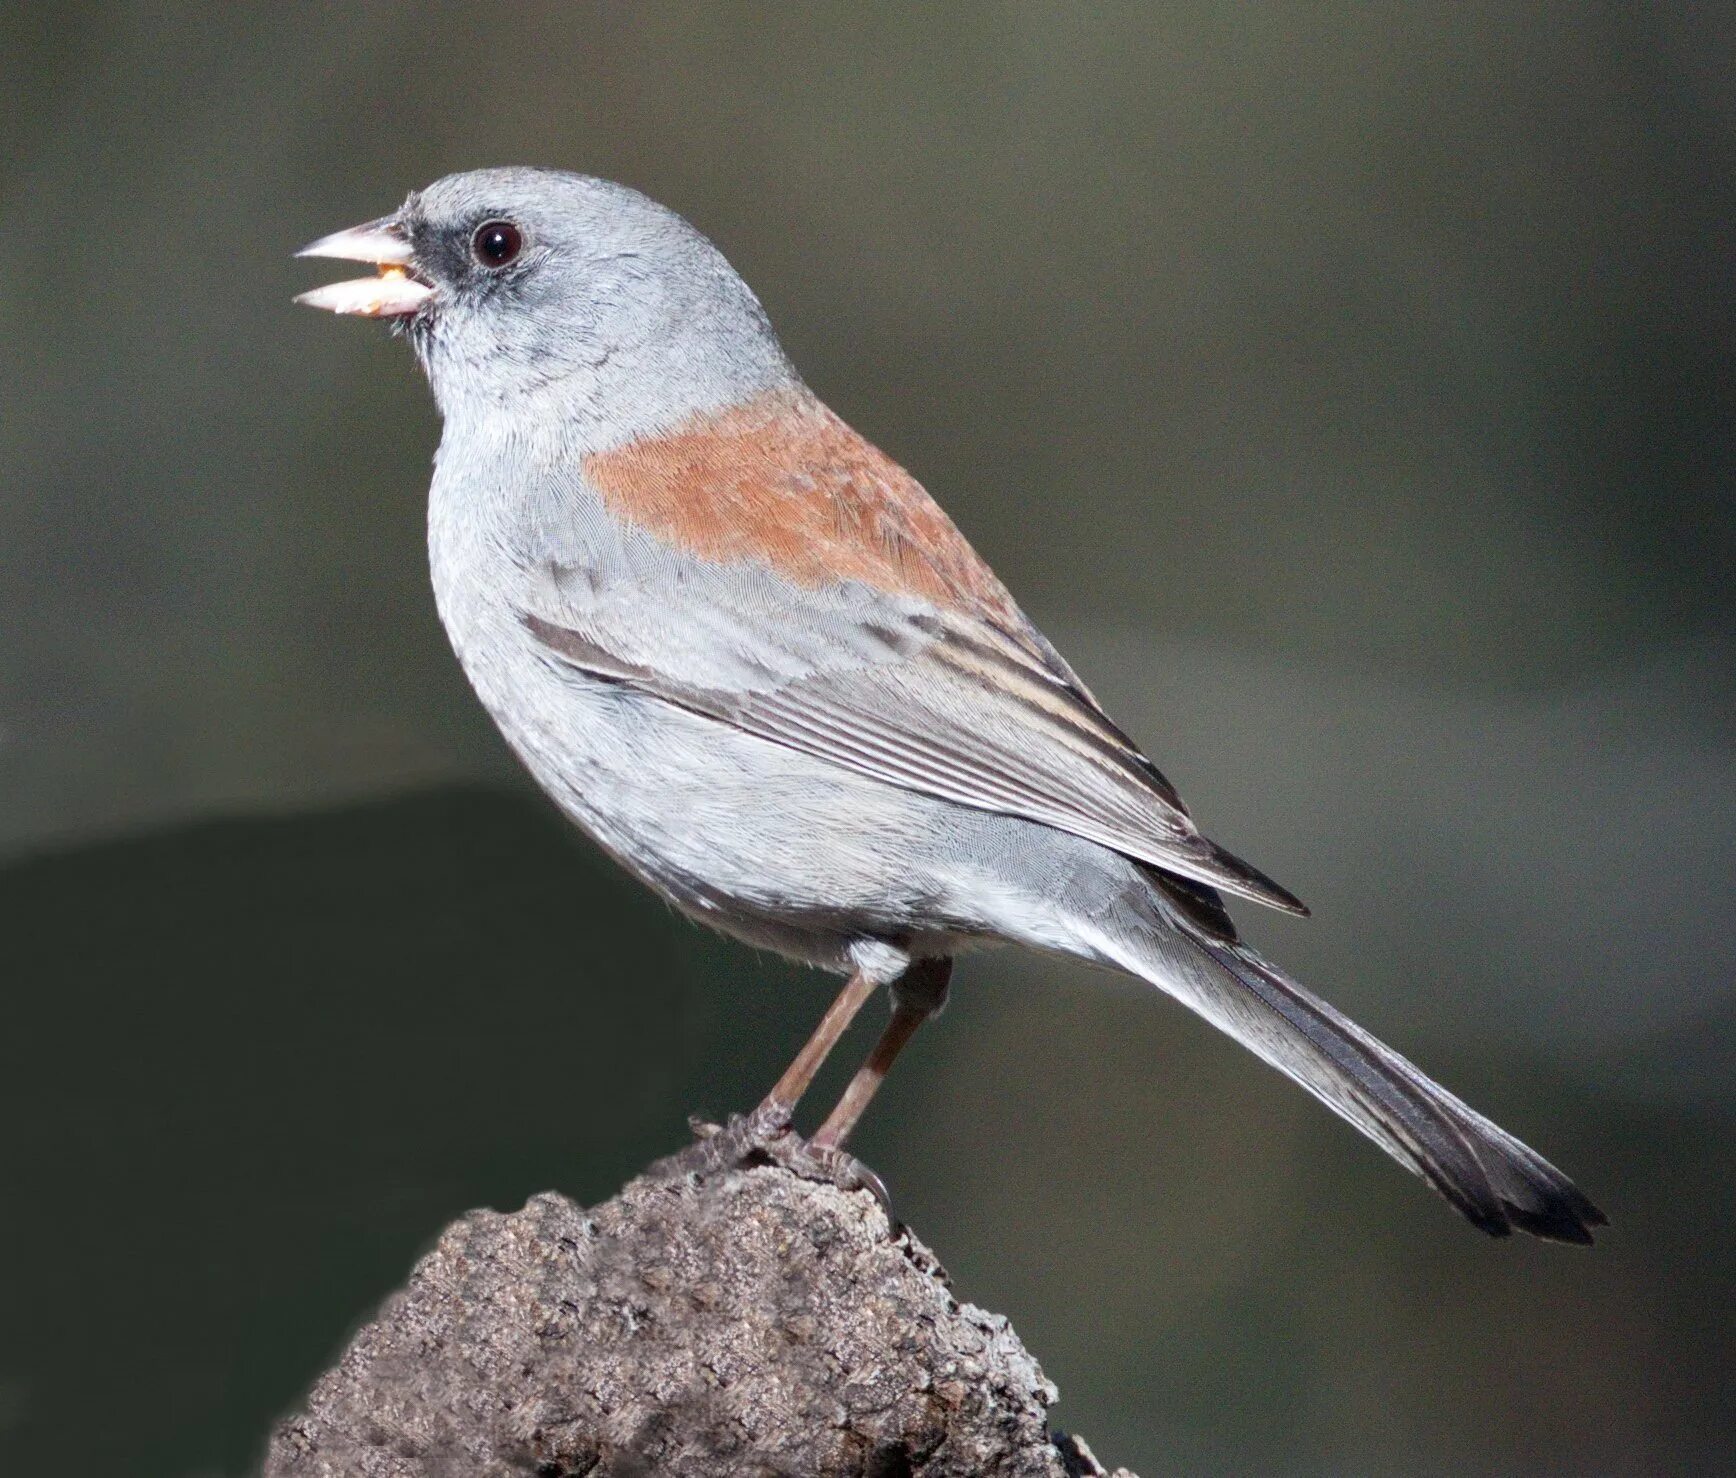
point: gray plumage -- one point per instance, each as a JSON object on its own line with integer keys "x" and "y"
{"x": 855, "y": 773}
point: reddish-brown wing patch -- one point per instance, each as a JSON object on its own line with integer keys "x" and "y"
{"x": 783, "y": 481}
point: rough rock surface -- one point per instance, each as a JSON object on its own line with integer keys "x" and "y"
{"x": 750, "y": 1322}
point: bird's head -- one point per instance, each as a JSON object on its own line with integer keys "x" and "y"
{"x": 523, "y": 288}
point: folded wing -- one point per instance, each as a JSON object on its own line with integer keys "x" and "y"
{"x": 968, "y": 714}
{"x": 780, "y": 574}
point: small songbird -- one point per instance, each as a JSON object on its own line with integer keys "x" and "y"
{"x": 750, "y": 655}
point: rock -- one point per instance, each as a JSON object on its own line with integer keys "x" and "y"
{"x": 749, "y": 1322}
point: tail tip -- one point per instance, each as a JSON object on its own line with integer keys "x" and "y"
{"x": 1569, "y": 1218}
{"x": 1558, "y": 1214}
{"x": 1514, "y": 1189}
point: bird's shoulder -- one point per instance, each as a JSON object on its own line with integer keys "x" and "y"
{"x": 783, "y": 482}
{"x": 882, "y": 641}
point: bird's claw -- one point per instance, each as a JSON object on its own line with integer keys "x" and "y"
{"x": 764, "y": 1136}
{"x": 725, "y": 1146}
{"x": 830, "y": 1165}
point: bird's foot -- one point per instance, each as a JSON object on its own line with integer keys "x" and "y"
{"x": 764, "y": 1137}
{"x": 726, "y": 1146}
{"x": 830, "y": 1165}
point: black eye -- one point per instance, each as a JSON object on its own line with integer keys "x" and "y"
{"x": 496, "y": 243}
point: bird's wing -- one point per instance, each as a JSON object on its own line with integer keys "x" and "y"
{"x": 915, "y": 668}
{"x": 967, "y": 717}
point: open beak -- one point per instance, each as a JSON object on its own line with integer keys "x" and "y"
{"x": 393, "y": 293}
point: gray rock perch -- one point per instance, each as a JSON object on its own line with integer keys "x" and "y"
{"x": 750, "y": 1322}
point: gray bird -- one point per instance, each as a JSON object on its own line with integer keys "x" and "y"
{"x": 752, "y": 658}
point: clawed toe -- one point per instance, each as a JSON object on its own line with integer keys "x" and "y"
{"x": 765, "y": 1137}
{"x": 830, "y": 1165}
{"x": 718, "y": 1147}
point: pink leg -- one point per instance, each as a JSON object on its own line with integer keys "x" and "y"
{"x": 788, "y": 1090}
{"x": 919, "y": 993}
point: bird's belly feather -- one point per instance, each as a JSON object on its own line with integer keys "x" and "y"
{"x": 773, "y": 845}
{"x": 759, "y": 840}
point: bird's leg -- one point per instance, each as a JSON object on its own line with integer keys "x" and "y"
{"x": 745, "y": 1135}
{"x": 917, "y": 994}
{"x": 787, "y": 1092}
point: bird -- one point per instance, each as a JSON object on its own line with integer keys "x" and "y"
{"x": 749, "y": 655}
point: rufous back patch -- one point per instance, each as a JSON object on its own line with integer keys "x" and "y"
{"x": 782, "y": 480}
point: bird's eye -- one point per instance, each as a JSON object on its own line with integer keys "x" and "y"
{"x": 496, "y": 243}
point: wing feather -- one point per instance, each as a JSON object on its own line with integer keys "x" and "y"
{"x": 771, "y": 569}
{"x": 971, "y": 715}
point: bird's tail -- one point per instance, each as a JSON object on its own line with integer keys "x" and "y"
{"x": 1493, "y": 1179}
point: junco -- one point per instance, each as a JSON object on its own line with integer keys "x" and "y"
{"x": 747, "y": 653}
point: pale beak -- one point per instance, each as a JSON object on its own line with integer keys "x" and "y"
{"x": 394, "y": 293}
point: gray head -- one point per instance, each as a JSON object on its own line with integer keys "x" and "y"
{"x": 539, "y": 291}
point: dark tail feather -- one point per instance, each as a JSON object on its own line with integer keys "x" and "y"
{"x": 1493, "y": 1179}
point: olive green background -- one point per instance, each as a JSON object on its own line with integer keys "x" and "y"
{"x": 1347, "y": 389}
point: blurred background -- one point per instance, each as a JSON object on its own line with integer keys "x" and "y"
{"x": 1347, "y": 389}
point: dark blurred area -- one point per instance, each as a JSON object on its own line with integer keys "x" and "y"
{"x": 1348, "y": 390}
